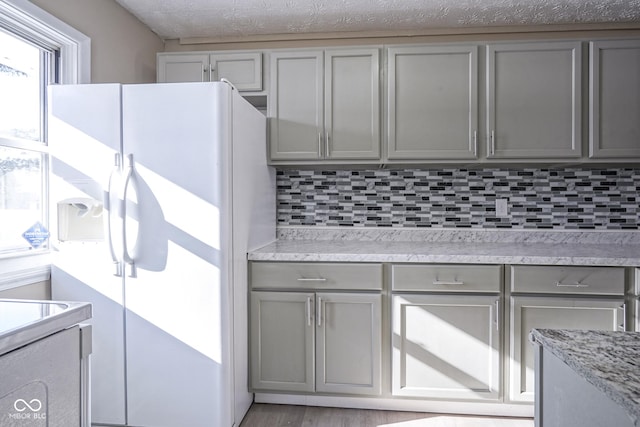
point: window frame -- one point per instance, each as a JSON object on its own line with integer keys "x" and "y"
{"x": 24, "y": 19}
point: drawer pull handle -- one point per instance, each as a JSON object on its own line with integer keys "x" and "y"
{"x": 445, "y": 283}
{"x": 311, "y": 279}
{"x": 571, "y": 285}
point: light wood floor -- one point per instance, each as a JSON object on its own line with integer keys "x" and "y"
{"x": 266, "y": 415}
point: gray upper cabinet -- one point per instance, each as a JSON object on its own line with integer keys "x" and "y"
{"x": 432, "y": 102}
{"x": 352, "y": 104}
{"x": 614, "y": 107}
{"x": 534, "y": 100}
{"x": 325, "y": 105}
{"x": 243, "y": 70}
{"x": 189, "y": 67}
{"x": 296, "y": 105}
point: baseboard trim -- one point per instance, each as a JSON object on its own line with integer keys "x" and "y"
{"x": 463, "y": 408}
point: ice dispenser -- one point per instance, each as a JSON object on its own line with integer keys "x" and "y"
{"x": 80, "y": 220}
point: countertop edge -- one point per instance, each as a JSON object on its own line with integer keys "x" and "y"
{"x": 462, "y": 259}
{"x": 537, "y": 336}
{"x": 30, "y": 332}
{"x": 448, "y": 250}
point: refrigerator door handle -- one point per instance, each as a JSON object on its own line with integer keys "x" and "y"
{"x": 125, "y": 248}
{"x": 223, "y": 80}
{"x": 110, "y": 197}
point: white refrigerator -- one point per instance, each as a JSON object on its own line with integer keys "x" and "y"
{"x": 158, "y": 192}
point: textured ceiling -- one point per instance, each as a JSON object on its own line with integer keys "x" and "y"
{"x": 174, "y": 19}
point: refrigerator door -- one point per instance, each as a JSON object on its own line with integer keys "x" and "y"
{"x": 177, "y": 300}
{"x": 84, "y": 137}
{"x": 254, "y": 220}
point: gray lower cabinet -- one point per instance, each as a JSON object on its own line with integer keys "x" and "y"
{"x": 447, "y": 331}
{"x": 322, "y": 342}
{"x": 324, "y": 104}
{"x": 534, "y": 100}
{"x": 558, "y": 297}
{"x": 316, "y": 327}
{"x": 614, "y": 104}
{"x": 552, "y": 313}
{"x": 348, "y": 343}
{"x": 446, "y": 346}
{"x": 456, "y": 333}
{"x": 42, "y": 383}
{"x": 282, "y": 341}
{"x": 432, "y": 102}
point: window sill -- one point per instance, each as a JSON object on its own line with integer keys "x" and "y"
{"x": 19, "y": 270}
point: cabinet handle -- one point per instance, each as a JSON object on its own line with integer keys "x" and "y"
{"x": 326, "y": 144}
{"x": 308, "y": 311}
{"x": 624, "y": 316}
{"x": 319, "y": 311}
{"x": 319, "y": 145}
{"x": 445, "y": 283}
{"x": 311, "y": 279}
{"x": 571, "y": 285}
{"x": 475, "y": 142}
{"x": 493, "y": 143}
{"x": 207, "y": 72}
{"x": 497, "y": 314}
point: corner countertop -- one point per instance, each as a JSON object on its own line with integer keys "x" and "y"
{"x": 26, "y": 321}
{"x": 607, "y": 360}
{"x": 448, "y": 246}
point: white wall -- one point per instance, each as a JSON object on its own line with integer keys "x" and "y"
{"x": 123, "y": 49}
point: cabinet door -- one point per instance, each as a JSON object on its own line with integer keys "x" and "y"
{"x": 552, "y": 313}
{"x": 282, "y": 335}
{"x": 614, "y": 105}
{"x": 348, "y": 344}
{"x": 296, "y": 105}
{"x": 533, "y": 100}
{"x": 190, "y": 67}
{"x": 433, "y": 102}
{"x": 41, "y": 383}
{"x": 446, "y": 346}
{"x": 352, "y": 104}
{"x": 243, "y": 70}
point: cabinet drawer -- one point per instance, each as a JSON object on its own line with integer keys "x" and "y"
{"x": 568, "y": 280}
{"x": 311, "y": 275}
{"x": 446, "y": 278}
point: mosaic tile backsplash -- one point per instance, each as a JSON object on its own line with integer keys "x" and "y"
{"x": 563, "y": 199}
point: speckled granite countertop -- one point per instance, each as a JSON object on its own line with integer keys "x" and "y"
{"x": 452, "y": 246}
{"x": 608, "y": 360}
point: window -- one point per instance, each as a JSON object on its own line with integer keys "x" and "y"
{"x": 36, "y": 49}
{"x": 25, "y": 71}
